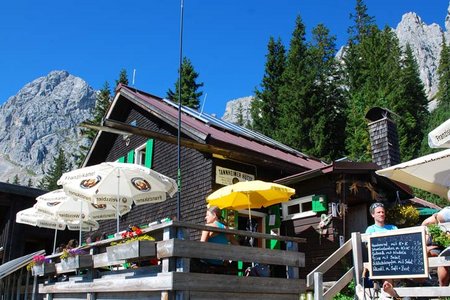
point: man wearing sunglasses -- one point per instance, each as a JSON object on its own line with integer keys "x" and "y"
{"x": 379, "y": 216}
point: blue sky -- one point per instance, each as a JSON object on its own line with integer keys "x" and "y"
{"x": 226, "y": 40}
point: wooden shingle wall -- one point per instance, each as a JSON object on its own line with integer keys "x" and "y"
{"x": 196, "y": 169}
{"x": 384, "y": 142}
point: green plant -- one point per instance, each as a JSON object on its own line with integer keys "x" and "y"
{"x": 66, "y": 253}
{"x": 439, "y": 237}
{"x": 144, "y": 237}
{"x": 403, "y": 215}
{"x": 348, "y": 293}
{"x": 36, "y": 261}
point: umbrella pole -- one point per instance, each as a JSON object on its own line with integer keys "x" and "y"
{"x": 81, "y": 212}
{"x": 250, "y": 220}
{"x": 54, "y": 240}
{"x": 118, "y": 193}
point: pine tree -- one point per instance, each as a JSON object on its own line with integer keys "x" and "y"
{"x": 240, "y": 115}
{"x": 295, "y": 117}
{"x": 190, "y": 96}
{"x": 103, "y": 100}
{"x": 362, "y": 23}
{"x": 16, "y": 179}
{"x": 412, "y": 107}
{"x": 123, "y": 78}
{"x": 443, "y": 95}
{"x": 442, "y": 111}
{"x": 265, "y": 109}
{"x": 327, "y": 102}
{"x": 49, "y": 182}
{"x": 373, "y": 71}
{"x": 30, "y": 182}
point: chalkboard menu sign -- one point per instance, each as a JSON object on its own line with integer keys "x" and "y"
{"x": 398, "y": 254}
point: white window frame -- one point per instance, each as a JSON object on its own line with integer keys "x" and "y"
{"x": 137, "y": 156}
{"x": 301, "y": 214}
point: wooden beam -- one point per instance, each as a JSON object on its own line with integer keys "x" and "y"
{"x": 194, "y": 249}
{"x": 255, "y": 235}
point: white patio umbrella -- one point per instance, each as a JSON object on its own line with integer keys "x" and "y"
{"x": 429, "y": 173}
{"x": 31, "y": 216}
{"x": 118, "y": 184}
{"x": 57, "y": 204}
{"x": 440, "y": 136}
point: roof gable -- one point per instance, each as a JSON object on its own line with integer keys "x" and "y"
{"x": 206, "y": 129}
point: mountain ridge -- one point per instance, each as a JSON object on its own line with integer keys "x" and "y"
{"x": 42, "y": 117}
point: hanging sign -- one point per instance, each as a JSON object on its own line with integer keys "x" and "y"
{"x": 226, "y": 176}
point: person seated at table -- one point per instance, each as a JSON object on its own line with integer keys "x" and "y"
{"x": 213, "y": 218}
{"x": 73, "y": 243}
{"x": 442, "y": 216}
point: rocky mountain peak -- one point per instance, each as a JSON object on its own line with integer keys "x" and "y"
{"x": 42, "y": 117}
{"x": 425, "y": 41}
{"x": 237, "y": 108}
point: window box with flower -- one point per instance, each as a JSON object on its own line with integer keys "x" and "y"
{"x": 133, "y": 246}
{"x": 41, "y": 266}
{"x": 74, "y": 259}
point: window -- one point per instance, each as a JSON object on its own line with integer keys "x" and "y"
{"x": 140, "y": 155}
{"x": 144, "y": 154}
{"x": 298, "y": 208}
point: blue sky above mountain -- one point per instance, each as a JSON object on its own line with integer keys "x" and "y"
{"x": 226, "y": 40}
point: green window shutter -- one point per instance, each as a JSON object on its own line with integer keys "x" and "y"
{"x": 149, "y": 153}
{"x": 130, "y": 157}
{"x": 121, "y": 159}
{"x": 273, "y": 210}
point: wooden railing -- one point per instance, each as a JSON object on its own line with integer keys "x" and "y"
{"x": 173, "y": 277}
{"x": 314, "y": 280}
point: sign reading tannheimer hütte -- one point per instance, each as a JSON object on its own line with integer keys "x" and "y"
{"x": 226, "y": 176}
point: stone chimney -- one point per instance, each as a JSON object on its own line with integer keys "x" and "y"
{"x": 383, "y": 137}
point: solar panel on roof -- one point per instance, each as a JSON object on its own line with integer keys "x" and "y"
{"x": 236, "y": 129}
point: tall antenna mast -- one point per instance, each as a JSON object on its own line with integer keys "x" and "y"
{"x": 179, "y": 116}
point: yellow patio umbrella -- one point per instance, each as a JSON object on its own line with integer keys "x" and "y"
{"x": 250, "y": 194}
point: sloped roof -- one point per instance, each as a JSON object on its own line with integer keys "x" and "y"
{"x": 205, "y": 128}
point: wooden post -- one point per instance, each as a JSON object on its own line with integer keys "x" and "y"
{"x": 168, "y": 264}
{"x": 292, "y": 272}
{"x": 318, "y": 286}
{"x": 27, "y": 282}
{"x": 35, "y": 288}
{"x": 19, "y": 284}
{"x": 357, "y": 257}
{"x": 183, "y": 264}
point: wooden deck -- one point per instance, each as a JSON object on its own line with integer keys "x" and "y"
{"x": 173, "y": 276}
